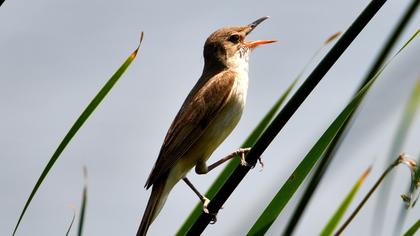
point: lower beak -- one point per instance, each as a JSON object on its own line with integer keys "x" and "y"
{"x": 256, "y": 43}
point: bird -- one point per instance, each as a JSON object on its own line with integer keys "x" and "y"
{"x": 208, "y": 115}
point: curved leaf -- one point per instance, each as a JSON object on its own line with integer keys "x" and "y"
{"x": 286, "y": 192}
{"x": 335, "y": 219}
{"x": 413, "y": 229}
{"x": 249, "y": 142}
{"x": 77, "y": 125}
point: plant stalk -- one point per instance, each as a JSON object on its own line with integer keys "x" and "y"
{"x": 285, "y": 114}
{"x": 331, "y": 151}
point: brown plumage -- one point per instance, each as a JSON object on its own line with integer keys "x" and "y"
{"x": 208, "y": 115}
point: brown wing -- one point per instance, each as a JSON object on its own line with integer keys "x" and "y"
{"x": 207, "y": 97}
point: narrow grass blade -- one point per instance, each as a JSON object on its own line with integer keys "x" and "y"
{"x": 328, "y": 41}
{"x": 84, "y": 202}
{"x": 339, "y": 213}
{"x": 71, "y": 223}
{"x": 402, "y": 159}
{"x": 380, "y": 211}
{"x": 295, "y": 180}
{"x": 249, "y": 142}
{"x": 335, "y": 145}
{"x": 413, "y": 229}
{"x": 77, "y": 125}
{"x": 415, "y": 193}
{"x": 292, "y": 184}
{"x": 406, "y": 121}
{"x": 410, "y": 111}
{"x": 285, "y": 114}
{"x": 256, "y": 133}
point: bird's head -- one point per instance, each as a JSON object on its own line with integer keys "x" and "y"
{"x": 227, "y": 47}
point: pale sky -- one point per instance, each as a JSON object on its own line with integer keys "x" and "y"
{"x": 56, "y": 55}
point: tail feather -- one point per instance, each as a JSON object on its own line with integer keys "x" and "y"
{"x": 154, "y": 205}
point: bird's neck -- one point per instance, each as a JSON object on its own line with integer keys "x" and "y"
{"x": 237, "y": 63}
{"x": 212, "y": 68}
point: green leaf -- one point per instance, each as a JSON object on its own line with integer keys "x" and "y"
{"x": 255, "y": 134}
{"x": 335, "y": 219}
{"x": 403, "y": 129}
{"x": 409, "y": 114}
{"x": 292, "y": 184}
{"x": 249, "y": 142}
{"x": 286, "y": 192}
{"x": 401, "y": 159}
{"x": 414, "y": 191}
{"x": 413, "y": 229}
{"x": 77, "y": 125}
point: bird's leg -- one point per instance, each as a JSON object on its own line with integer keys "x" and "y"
{"x": 241, "y": 151}
{"x": 205, "y": 200}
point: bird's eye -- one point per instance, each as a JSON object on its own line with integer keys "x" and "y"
{"x": 234, "y": 38}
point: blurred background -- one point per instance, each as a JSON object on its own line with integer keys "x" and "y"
{"x": 56, "y": 55}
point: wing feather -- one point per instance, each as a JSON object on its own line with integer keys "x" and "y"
{"x": 205, "y": 100}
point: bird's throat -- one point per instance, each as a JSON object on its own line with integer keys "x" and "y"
{"x": 239, "y": 63}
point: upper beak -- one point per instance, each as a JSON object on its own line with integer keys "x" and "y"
{"x": 254, "y": 44}
{"x": 256, "y": 23}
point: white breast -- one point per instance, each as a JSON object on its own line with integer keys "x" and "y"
{"x": 229, "y": 116}
{"x": 226, "y": 120}
{"x": 239, "y": 64}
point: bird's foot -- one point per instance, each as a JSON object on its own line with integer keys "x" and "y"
{"x": 206, "y": 202}
{"x": 243, "y": 153}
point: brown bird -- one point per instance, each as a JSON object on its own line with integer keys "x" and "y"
{"x": 208, "y": 115}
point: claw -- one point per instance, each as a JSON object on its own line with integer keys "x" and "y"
{"x": 261, "y": 163}
{"x": 206, "y": 202}
{"x": 243, "y": 152}
{"x": 243, "y": 161}
{"x": 213, "y": 220}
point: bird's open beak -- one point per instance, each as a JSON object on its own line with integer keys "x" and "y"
{"x": 256, "y": 23}
{"x": 254, "y": 44}
{"x": 253, "y": 25}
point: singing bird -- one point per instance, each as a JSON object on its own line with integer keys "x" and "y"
{"x": 208, "y": 115}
